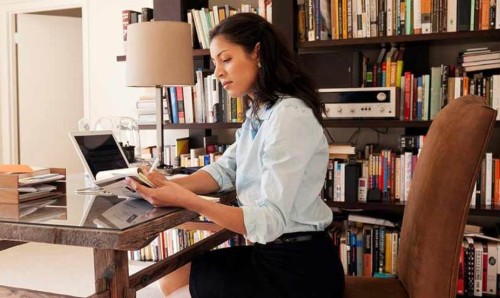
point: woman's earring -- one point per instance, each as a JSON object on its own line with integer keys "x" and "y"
{"x": 259, "y": 65}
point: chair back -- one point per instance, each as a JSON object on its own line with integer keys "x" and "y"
{"x": 440, "y": 195}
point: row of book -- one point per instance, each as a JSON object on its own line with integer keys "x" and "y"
{"x": 204, "y": 20}
{"x": 172, "y": 241}
{"x": 206, "y": 102}
{"x": 367, "y": 249}
{"x": 184, "y": 155}
{"x": 343, "y": 19}
{"x": 478, "y": 271}
{"x": 383, "y": 176}
{"x": 386, "y": 176}
{"x": 368, "y": 246}
{"x": 422, "y": 97}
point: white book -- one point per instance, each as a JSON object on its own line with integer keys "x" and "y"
{"x": 336, "y": 182}
{"x": 191, "y": 24}
{"x": 451, "y": 18}
{"x": 354, "y": 8}
{"x": 215, "y": 13}
{"x": 473, "y": 199}
{"x": 388, "y": 18}
{"x": 492, "y": 271}
{"x": 417, "y": 17}
{"x": 359, "y": 20}
{"x": 370, "y": 220}
{"x": 212, "y": 19}
{"x": 497, "y": 14}
{"x": 342, "y": 182}
{"x": 209, "y": 107}
{"x": 478, "y": 269}
{"x": 188, "y": 104}
{"x": 199, "y": 28}
{"x": 427, "y": 85}
{"x": 199, "y": 101}
{"x": 488, "y": 178}
{"x": 407, "y": 173}
{"x": 205, "y": 25}
{"x": 397, "y": 176}
{"x": 394, "y": 244}
{"x": 495, "y": 86}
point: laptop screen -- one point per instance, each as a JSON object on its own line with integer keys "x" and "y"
{"x": 101, "y": 152}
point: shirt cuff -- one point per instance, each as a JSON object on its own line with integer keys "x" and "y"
{"x": 219, "y": 176}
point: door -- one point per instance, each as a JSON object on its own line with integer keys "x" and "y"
{"x": 50, "y": 89}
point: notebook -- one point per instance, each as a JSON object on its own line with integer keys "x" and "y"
{"x": 99, "y": 151}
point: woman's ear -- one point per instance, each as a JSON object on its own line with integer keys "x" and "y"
{"x": 256, "y": 50}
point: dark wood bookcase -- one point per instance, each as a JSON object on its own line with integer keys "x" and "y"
{"x": 421, "y": 52}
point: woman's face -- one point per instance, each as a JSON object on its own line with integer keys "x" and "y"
{"x": 235, "y": 68}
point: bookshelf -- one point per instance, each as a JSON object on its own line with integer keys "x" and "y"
{"x": 422, "y": 51}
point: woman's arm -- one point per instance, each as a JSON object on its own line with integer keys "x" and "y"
{"x": 175, "y": 194}
{"x": 199, "y": 182}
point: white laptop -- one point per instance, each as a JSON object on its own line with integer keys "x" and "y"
{"x": 99, "y": 151}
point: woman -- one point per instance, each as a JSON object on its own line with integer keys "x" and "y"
{"x": 277, "y": 165}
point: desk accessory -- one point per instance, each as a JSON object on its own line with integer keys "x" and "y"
{"x": 14, "y": 187}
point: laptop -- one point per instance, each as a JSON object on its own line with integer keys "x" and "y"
{"x": 98, "y": 151}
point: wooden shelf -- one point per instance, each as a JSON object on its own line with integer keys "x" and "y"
{"x": 374, "y": 123}
{"x": 201, "y": 52}
{"x": 396, "y": 207}
{"x": 361, "y": 206}
{"x": 218, "y": 125}
{"x": 433, "y": 38}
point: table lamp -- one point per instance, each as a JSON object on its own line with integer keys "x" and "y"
{"x": 159, "y": 54}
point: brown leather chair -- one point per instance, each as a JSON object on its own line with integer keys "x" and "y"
{"x": 438, "y": 204}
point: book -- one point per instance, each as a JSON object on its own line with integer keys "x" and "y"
{"x": 370, "y": 220}
{"x": 113, "y": 181}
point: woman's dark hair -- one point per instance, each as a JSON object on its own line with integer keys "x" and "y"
{"x": 280, "y": 72}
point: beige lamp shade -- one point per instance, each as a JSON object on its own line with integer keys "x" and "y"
{"x": 159, "y": 54}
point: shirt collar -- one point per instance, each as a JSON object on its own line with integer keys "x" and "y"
{"x": 264, "y": 113}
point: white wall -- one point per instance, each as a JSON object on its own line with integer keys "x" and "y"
{"x": 105, "y": 93}
{"x": 109, "y": 95}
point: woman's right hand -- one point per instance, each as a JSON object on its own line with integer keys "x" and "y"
{"x": 157, "y": 178}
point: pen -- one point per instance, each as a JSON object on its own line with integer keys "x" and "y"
{"x": 155, "y": 164}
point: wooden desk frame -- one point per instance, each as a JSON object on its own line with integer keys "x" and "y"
{"x": 110, "y": 251}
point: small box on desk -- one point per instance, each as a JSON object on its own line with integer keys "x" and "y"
{"x": 12, "y": 184}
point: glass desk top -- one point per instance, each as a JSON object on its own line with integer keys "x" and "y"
{"x": 83, "y": 211}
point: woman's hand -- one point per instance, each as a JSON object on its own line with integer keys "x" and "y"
{"x": 157, "y": 178}
{"x": 167, "y": 195}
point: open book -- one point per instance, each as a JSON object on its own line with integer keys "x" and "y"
{"x": 113, "y": 181}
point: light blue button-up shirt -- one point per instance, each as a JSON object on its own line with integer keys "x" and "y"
{"x": 277, "y": 165}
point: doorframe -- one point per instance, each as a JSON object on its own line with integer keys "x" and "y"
{"x": 9, "y": 120}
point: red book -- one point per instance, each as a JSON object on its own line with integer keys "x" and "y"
{"x": 180, "y": 104}
{"x": 407, "y": 99}
{"x": 461, "y": 272}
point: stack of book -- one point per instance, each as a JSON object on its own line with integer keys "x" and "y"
{"x": 479, "y": 59}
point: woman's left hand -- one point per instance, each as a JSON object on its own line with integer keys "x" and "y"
{"x": 168, "y": 195}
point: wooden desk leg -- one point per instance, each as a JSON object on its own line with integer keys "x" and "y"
{"x": 111, "y": 273}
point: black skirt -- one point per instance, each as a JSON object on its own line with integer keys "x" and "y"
{"x": 296, "y": 265}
